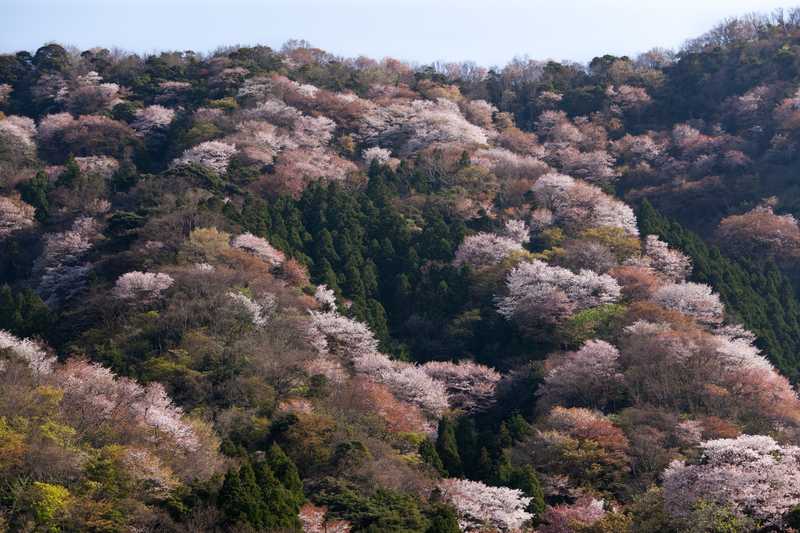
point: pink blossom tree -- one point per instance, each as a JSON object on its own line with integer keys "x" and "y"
{"x": 589, "y": 377}
{"x": 259, "y": 247}
{"x": 566, "y": 518}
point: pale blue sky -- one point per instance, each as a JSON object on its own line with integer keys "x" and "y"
{"x": 487, "y": 32}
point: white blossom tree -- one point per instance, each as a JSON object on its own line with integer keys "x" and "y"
{"x": 485, "y": 249}
{"x": 29, "y": 351}
{"x": 480, "y": 506}
{"x": 540, "y": 293}
{"x": 152, "y": 118}
{"x": 693, "y": 299}
{"x": 669, "y": 262}
{"x": 376, "y": 153}
{"x": 61, "y": 267}
{"x": 213, "y": 155}
{"x": 578, "y": 205}
{"x": 142, "y": 286}
{"x": 470, "y": 386}
{"x": 752, "y": 475}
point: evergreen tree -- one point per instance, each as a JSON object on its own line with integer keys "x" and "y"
{"x": 34, "y": 192}
{"x": 526, "y": 480}
{"x": 484, "y": 470}
{"x": 286, "y": 472}
{"x": 427, "y": 451}
{"x": 279, "y": 505}
{"x": 232, "y": 500}
{"x": 443, "y": 520}
{"x": 468, "y": 447}
{"x": 447, "y": 448}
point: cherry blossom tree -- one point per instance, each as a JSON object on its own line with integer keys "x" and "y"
{"x": 90, "y": 96}
{"x": 98, "y": 401}
{"x": 693, "y": 299}
{"x": 787, "y": 113}
{"x": 61, "y": 267}
{"x": 152, "y": 118}
{"x": 376, "y": 153}
{"x": 628, "y": 97}
{"x": 18, "y": 129}
{"x": 412, "y": 126}
{"x": 752, "y": 475}
{"x": 509, "y": 165}
{"x": 99, "y": 165}
{"x": 325, "y": 297}
{"x": 556, "y": 128}
{"x": 259, "y": 247}
{"x": 485, "y": 249}
{"x": 470, "y": 386}
{"x": 314, "y": 520}
{"x": 213, "y": 155}
{"x": 294, "y": 169}
{"x": 479, "y": 112}
{"x": 671, "y": 263}
{"x": 760, "y": 231}
{"x": 566, "y": 518}
{"x": 596, "y": 166}
{"x": 142, "y": 286}
{"x": 578, "y": 205}
{"x": 480, "y": 506}
{"x": 637, "y": 148}
{"x": 17, "y": 147}
{"x": 539, "y": 293}
{"x": 5, "y": 91}
{"x": 589, "y": 377}
{"x": 253, "y": 310}
{"x": 14, "y": 215}
{"x": 518, "y": 231}
{"x": 29, "y": 351}
{"x": 352, "y": 342}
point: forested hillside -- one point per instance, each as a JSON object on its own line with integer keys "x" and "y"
{"x": 261, "y": 290}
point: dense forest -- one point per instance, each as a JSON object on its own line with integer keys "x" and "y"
{"x": 262, "y": 290}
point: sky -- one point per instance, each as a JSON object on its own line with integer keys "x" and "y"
{"x": 489, "y": 32}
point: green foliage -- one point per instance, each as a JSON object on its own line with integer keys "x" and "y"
{"x": 447, "y": 448}
{"x": 23, "y": 313}
{"x": 526, "y": 480}
{"x": 427, "y": 451}
{"x": 48, "y": 502}
{"x": 593, "y": 323}
{"x": 252, "y": 494}
{"x": 385, "y": 510}
{"x": 443, "y": 520}
{"x": 34, "y": 192}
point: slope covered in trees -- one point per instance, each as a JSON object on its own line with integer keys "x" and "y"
{"x": 264, "y": 290}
